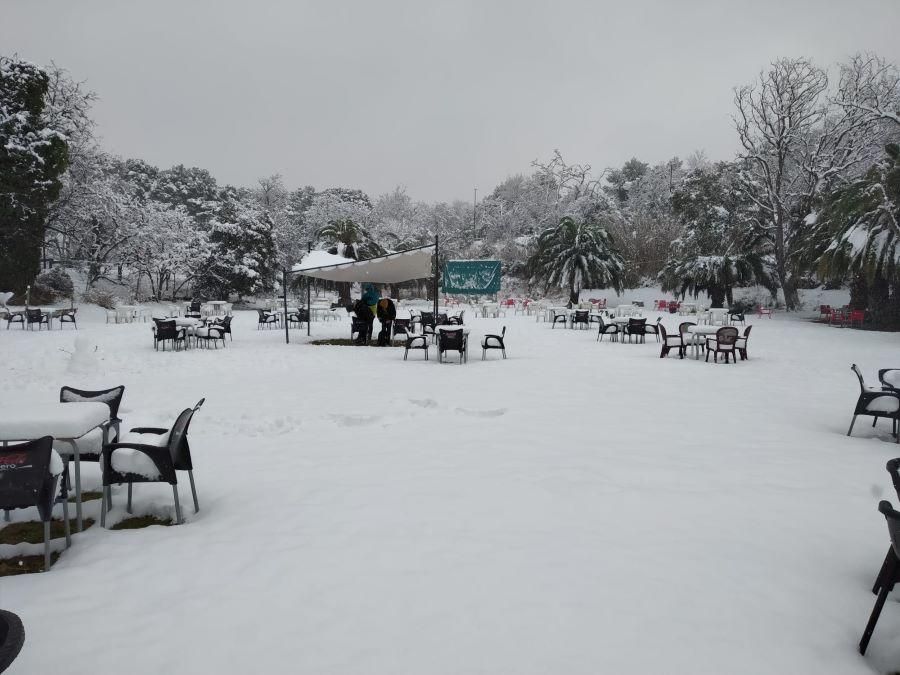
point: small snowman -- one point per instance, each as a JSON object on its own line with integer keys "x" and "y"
{"x": 83, "y": 361}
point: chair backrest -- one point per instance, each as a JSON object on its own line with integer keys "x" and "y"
{"x": 503, "y": 332}
{"x": 195, "y": 305}
{"x": 111, "y": 397}
{"x": 662, "y": 330}
{"x": 683, "y": 326}
{"x": 747, "y": 331}
{"x": 727, "y": 335}
{"x": 889, "y": 377}
{"x": 262, "y": 314}
{"x": 893, "y": 523}
{"x": 25, "y": 478}
{"x": 451, "y": 339}
{"x": 401, "y": 326}
{"x": 893, "y": 468}
{"x": 165, "y": 329}
{"x": 179, "y": 449}
{"x": 582, "y": 316}
{"x": 636, "y": 324}
{"x": 33, "y": 315}
{"x": 427, "y": 318}
{"x": 862, "y": 382}
{"x": 857, "y": 315}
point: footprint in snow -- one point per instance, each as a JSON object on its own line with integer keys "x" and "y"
{"x": 424, "y": 402}
{"x": 354, "y": 420}
{"x": 481, "y": 413}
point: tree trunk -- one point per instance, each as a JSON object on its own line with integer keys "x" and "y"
{"x": 717, "y": 297}
{"x": 573, "y": 294}
{"x": 343, "y": 289}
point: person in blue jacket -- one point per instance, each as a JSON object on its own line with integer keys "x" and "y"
{"x": 370, "y": 296}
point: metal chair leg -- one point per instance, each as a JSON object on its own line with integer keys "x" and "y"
{"x": 104, "y": 507}
{"x": 873, "y": 619}
{"x": 46, "y": 545}
{"x": 194, "y": 491}
{"x": 178, "y": 519}
{"x": 66, "y": 526}
{"x": 852, "y": 422}
{"x": 128, "y": 507}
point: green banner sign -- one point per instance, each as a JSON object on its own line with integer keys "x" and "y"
{"x": 472, "y": 277}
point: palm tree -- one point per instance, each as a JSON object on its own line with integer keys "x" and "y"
{"x": 575, "y": 255}
{"x": 347, "y": 239}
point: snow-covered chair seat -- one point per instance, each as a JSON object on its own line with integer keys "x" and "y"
{"x": 150, "y": 455}
{"x": 889, "y": 378}
{"x": 211, "y": 333}
{"x": 877, "y": 403}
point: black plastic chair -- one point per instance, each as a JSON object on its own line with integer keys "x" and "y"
{"x": 890, "y": 572}
{"x": 560, "y": 317}
{"x": 610, "y": 329}
{"x": 493, "y": 342}
{"x": 876, "y": 403}
{"x": 400, "y": 327}
{"x": 670, "y": 342}
{"x": 636, "y": 328}
{"x": 416, "y": 342}
{"x": 653, "y": 328}
{"x": 225, "y": 324}
{"x": 113, "y": 399}
{"x": 723, "y": 343}
{"x": 174, "y": 456}
{"x": 890, "y": 379}
{"x": 12, "y": 637}
{"x": 266, "y": 319}
{"x": 737, "y": 317}
{"x": 884, "y": 574}
{"x": 297, "y": 318}
{"x": 452, "y": 341}
{"x": 166, "y": 331}
{"x": 36, "y": 316}
{"x": 26, "y": 481}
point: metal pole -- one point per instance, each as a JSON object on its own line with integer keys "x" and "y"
{"x": 436, "y": 273}
{"x": 284, "y": 283}
{"x": 308, "y": 299}
{"x": 474, "y": 206}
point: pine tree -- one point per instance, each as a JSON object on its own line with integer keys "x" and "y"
{"x": 33, "y": 155}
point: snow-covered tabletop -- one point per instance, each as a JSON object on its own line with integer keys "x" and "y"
{"x": 60, "y": 420}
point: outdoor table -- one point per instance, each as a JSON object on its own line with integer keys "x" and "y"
{"x": 698, "y": 333}
{"x": 66, "y": 422}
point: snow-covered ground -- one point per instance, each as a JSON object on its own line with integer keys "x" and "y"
{"x": 578, "y": 508}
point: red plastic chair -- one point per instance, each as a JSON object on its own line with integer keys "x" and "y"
{"x": 857, "y": 316}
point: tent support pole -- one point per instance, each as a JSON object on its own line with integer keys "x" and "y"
{"x": 437, "y": 260}
{"x": 308, "y": 298}
{"x": 284, "y": 283}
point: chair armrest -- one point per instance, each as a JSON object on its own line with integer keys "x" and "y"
{"x": 149, "y": 430}
{"x": 159, "y": 455}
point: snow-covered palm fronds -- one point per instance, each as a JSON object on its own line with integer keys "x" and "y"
{"x": 350, "y": 240}
{"x": 575, "y": 255}
{"x": 865, "y": 221}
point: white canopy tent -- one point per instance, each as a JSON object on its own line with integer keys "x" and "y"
{"x": 392, "y": 268}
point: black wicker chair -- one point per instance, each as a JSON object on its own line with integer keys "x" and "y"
{"x": 166, "y": 459}
{"x": 210, "y": 333}
{"x": 581, "y": 318}
{"x": 494, "y": 342}
{"x": 266, "y": 319}
{"x": 36, "y": 316}
{"x": 15, "y": 317}
{"x": 636, "y": 328}
{"x": 416, "y": 342}
{"x": 67, "y": 316}
{"x": 166, "y": 331}
{"x": 741, "y": 343}
{"x": 224, "y": 323}
{"x": 890, "y": 572}
{"x": 876, "y": 403}
{"x": 610, "y": 329}
{"x": 737, "y": 317}
{"x": 723, "y": 343}
{"x": 12, "y": 637}
{"x": 452, "y": 341}
{"x": 670, "y": 342}
{"x": 26, "y": 481}
{"x": 560, "y": 317}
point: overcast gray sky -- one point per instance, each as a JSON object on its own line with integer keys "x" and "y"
{"x": 436, "y": 96}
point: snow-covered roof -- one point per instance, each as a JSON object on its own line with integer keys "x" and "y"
{"x": 387, "y": 269}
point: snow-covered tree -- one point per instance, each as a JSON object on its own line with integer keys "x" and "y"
{"x": 573, "y": 255}
{"x": 33, "y": 156}
{"x": 717, "y": 249}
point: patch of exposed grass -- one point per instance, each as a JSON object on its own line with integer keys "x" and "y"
{"x": 32, "y": 531}
{"x": 25, "y": 564}
{"x": 346, "y": 342}
{"x": 86, "y": 496}
{"x": 138, "y": 522}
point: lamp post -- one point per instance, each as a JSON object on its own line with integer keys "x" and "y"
{"x": 474, "y": 206}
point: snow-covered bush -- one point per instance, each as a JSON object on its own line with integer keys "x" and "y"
{"x": 50, "y": 286}
{"x": 100, "y": 298}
